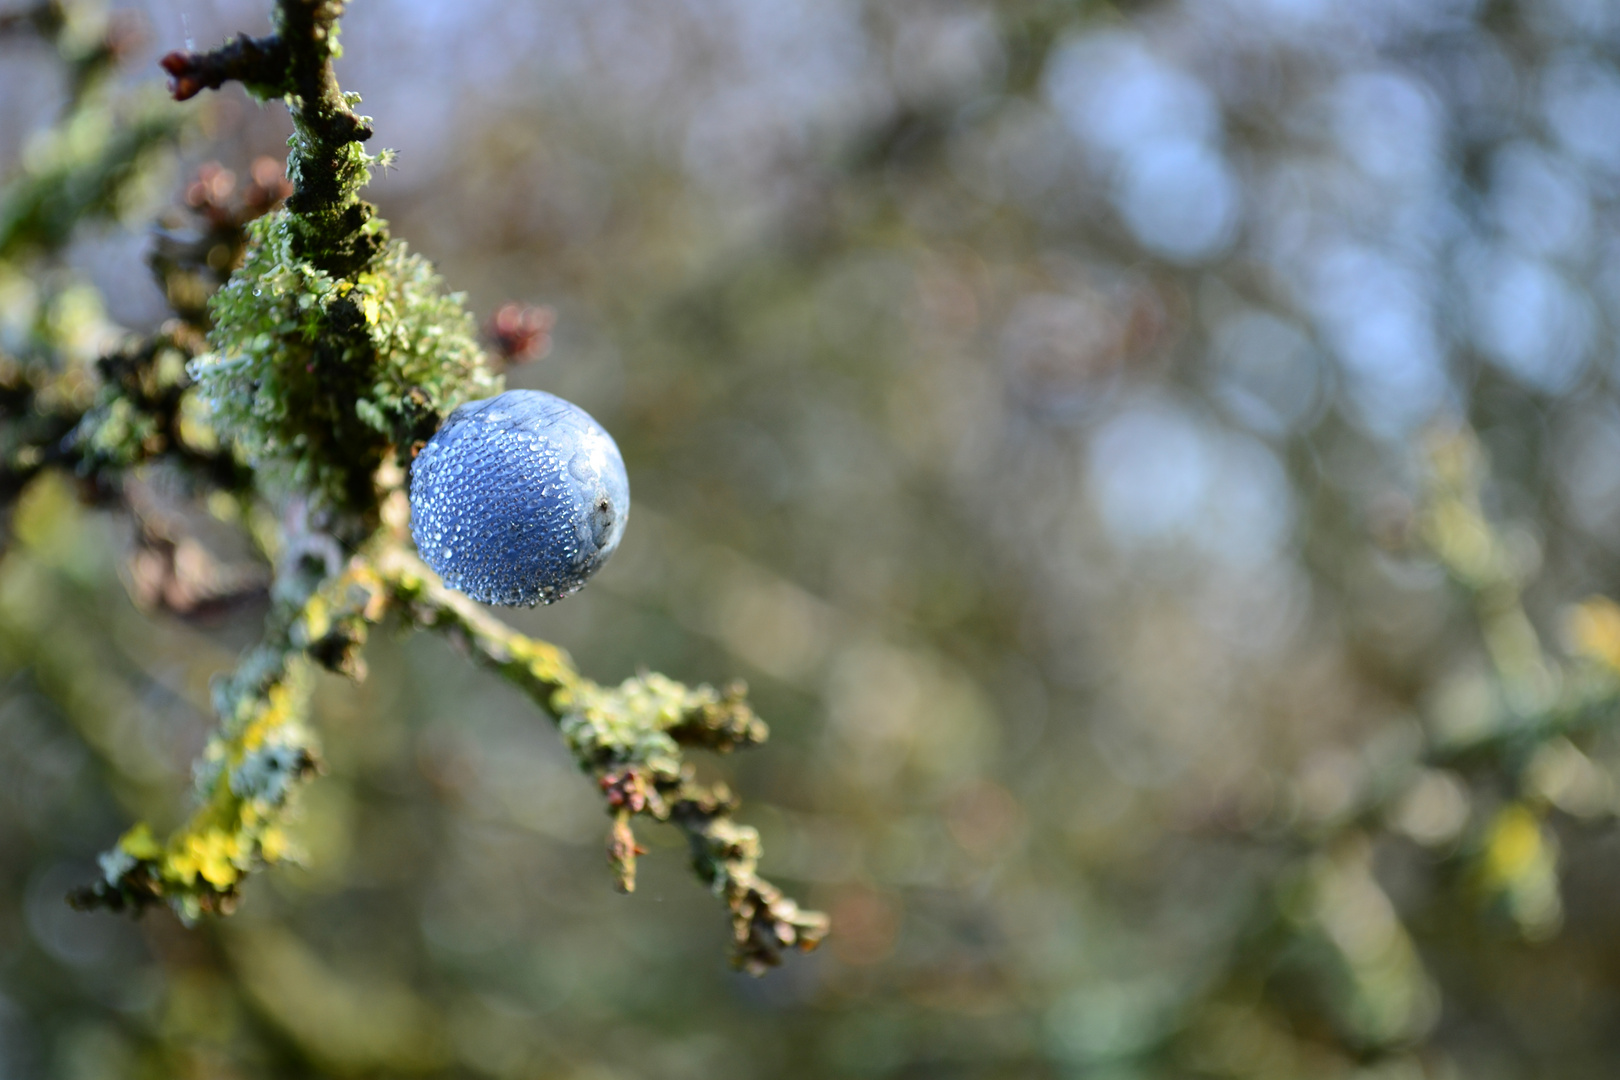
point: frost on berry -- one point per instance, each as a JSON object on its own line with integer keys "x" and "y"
{"x": 519, "y": 499}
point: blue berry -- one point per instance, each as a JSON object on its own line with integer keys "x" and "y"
{"x": 518, "y": 499}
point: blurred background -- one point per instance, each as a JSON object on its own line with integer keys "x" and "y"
{"x": 1040, "y": 403}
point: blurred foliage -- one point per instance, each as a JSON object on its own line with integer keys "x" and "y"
{"x": 333, "y": 354}
{"x": 1153, "y": 462}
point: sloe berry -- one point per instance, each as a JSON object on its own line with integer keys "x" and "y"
{"x": 518, "y": 499}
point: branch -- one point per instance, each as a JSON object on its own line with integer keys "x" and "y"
{"x": 138, "y": 412}
{"x": 331, "y": 226}
{"x": 628, "y": 737}
{"x": 45, "y": 19}
{"x": 254, "y": 62}
{"x": 334, "y": 350}
{"x": 310, "y": 29}
{"x": 334, "y": 354}
{"x": 244, "y": 777}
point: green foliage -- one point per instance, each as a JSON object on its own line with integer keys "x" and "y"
{"x": 1076, "y": 812}
{"x": 244, "y": 777}
{"x": 335, "y": 353}
{"x": 144, "y": 410}
{"x": 320, "y": 378}
{"x": 100, "y": 164}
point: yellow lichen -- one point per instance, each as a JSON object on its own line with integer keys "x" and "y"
{"x": 1594, "y": 631}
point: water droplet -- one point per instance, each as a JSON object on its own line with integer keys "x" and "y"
{"x": 527, "y": 529}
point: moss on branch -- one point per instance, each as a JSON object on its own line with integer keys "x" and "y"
{"x": 631, "y": 738}
{"x": 329, "y": 225}
{"x": 309, "y": 381}
{"x": 91, "y": 168}
{"x": 320, "y": 378}
{"x": 333, "y": 348}
{"x": 628, "y": 737}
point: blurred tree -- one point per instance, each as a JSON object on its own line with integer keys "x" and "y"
{"x": 1144, "y": 457}
{"x": 334, "y": 355}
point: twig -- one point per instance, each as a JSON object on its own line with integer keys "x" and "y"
{"x": 259, "y": 62}
{"x": 629, "y": 737}
{"x": 324, "y": 348}
{"x": 326, "y": 166}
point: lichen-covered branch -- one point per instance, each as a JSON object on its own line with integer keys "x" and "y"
{"x": 88, "y": 165}
{"x": 330, "y": 354}
{"x": 320, "y": 379}
{"x": 135, "y": 404}
{"x": 1529, "y": 710}
{"x": 243, "y": 779}
{"x": 138, "y": 408}
{"x": 258, "y": 63}
{"x": 1540, "y": 697}
{"x": 329, "y": 225}
{"x": 42, "y": 414}
{"x": 629, "y": 737}
{"x": 334, "y": 349}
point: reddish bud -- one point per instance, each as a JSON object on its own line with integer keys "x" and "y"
{"x": 185, "y": 79}
{"x": 522, "y": 332}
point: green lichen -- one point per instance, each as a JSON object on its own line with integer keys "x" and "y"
{"x": 320, "y": 378}
{"x": 334, "y": 348}
{"x": 330, "y": 353}
{"x": 607, "y": 726}
{"x": 102, "y": 163}
{"x": 244, "y": 778}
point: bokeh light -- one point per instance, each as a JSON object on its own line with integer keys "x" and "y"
{"x": 1032, "y": 401}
